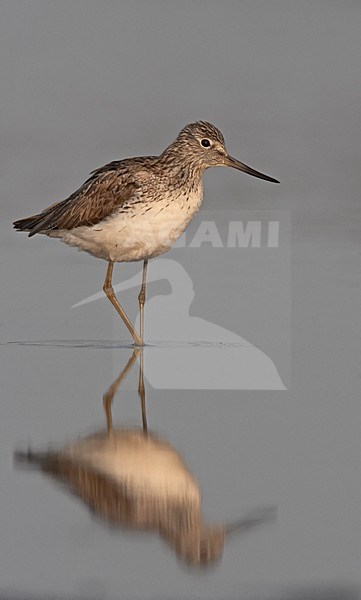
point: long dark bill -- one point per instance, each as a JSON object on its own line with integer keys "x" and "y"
{"x": 236, "y": 164}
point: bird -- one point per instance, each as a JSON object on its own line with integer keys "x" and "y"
{"x": 133, "y": 478}
{"x": 135, "y": 209}
{"x": 138, "y": 481}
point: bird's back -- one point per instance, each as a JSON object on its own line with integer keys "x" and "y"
{"x": 107, "y": 188}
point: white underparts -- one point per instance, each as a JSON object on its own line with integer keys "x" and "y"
{"x": 141, "y": 232}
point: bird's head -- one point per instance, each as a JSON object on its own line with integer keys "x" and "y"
{"x": 203, "y": 144}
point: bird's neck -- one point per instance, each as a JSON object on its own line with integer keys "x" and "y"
{"x": 180, "y": 165}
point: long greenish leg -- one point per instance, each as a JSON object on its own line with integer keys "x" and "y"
{"x": 109, "y": 291}
{"x": 141, "y": 298}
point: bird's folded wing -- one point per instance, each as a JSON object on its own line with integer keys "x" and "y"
{"x": 106, "y": 189}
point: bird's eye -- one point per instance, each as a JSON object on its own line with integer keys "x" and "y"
{"x": 205, "y": 143}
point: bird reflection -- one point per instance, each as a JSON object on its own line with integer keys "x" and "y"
{"x": 133, "y": 478}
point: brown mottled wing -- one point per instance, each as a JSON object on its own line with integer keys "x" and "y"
{"x": 93, "y": 202}
{"x": 107, "y": 188}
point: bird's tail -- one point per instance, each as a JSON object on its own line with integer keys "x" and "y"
{"x": 44, "y": 221}
{"x": 28, "y": 223}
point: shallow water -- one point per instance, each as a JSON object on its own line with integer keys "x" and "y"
{"x": 297, "y": 449}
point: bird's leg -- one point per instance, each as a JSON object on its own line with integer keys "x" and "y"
{"x": 108, "y": 396}
{"x": 108, "y": 290}
{"x": 141, "y": 391}
{"x": 141, "y": 298}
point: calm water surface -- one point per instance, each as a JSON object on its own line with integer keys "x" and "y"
{"x": 296, "y": 449}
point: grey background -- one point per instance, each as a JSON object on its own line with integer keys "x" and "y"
{"x": 86, "y": 82}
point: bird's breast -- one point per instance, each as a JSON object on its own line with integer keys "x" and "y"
{"x": 150, "y": 227}
{"x": 144, "y": 227}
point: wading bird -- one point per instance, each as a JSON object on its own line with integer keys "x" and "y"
{"x": 135, "y": 209}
